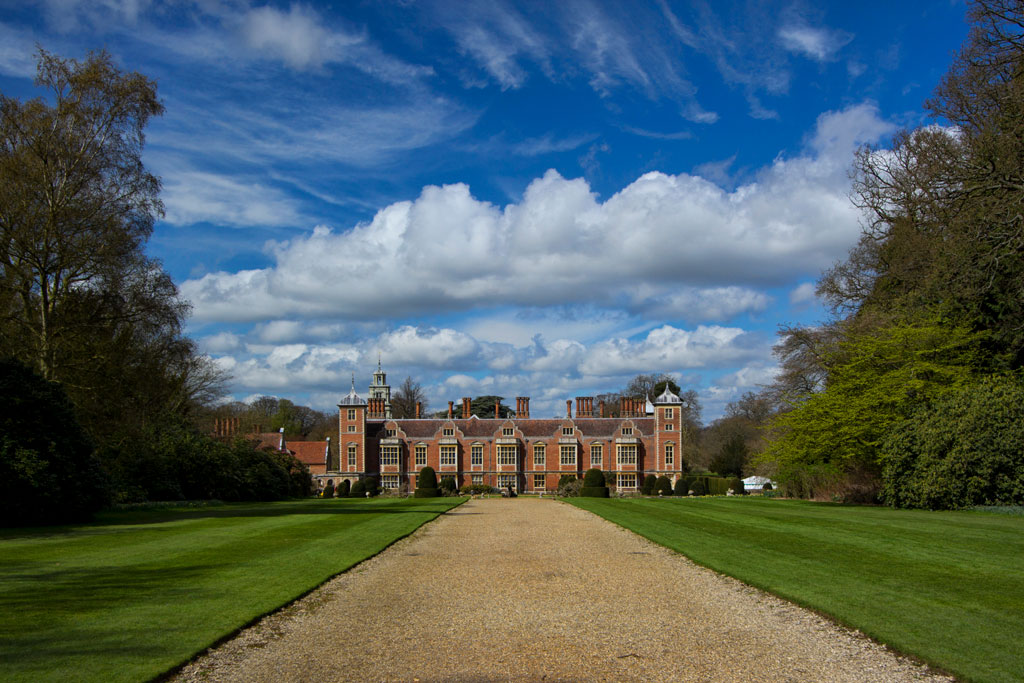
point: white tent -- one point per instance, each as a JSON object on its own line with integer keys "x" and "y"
{"x": 756, "y": 483}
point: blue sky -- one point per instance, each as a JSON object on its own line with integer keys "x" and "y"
{"x": 539, "y": 199}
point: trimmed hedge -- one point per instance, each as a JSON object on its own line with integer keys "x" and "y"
{"x": 344, "y": 486}
{"x": 647, "y": 488}
{"x": 593, "y": 484}
{"x": 682, "y": 486}
{"x": 593, "y": 478}
{"x": 427, "y": 484}
{"x": 663, "y": 487}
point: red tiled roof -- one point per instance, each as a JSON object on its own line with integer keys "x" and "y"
{"x": 308, "y": 452}
{"x": 271, "y": 440}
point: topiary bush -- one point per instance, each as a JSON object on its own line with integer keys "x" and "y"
{"x": 697, "y": 487}
{"x": 647, "y": 488}
{"x": 448, "y": 486}
{"x": 343, "y": 488}
{"x": 682, "y": 487}
{"x": 427, "y": 484}
{"x": 566, "y": 479}
{"x": 372, "y": 485}
{"x": 736, "y": 486}
{"x": 328, "y": 491}
{"x": 427, "y": 478}
{"x": 358, "y": 490}
{"x": 593, "y": 484}
{"x": 663, "y": 487}
{"x": 593, "y": 477}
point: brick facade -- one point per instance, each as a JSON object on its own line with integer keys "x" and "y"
{"x": 530, "y": 454}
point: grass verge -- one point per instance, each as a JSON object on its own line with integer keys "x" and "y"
{"x": 138, "y": 592}
{"x": 947, "y": 587}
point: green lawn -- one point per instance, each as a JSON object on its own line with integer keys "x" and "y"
{"x": 947, "y": 587}
{"x": 137, "y": 593}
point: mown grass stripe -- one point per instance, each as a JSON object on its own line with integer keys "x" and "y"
{"x": 139, "y": 592}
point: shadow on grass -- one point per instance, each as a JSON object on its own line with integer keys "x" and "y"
{"x": 113, "y": 518}
{"x": 80, "y": 590}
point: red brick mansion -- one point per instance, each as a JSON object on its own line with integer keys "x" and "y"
{"x": 522, "y": 452}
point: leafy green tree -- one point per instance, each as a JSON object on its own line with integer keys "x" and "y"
{"x": 880, "y": 380}
{"x": 48, "y": 473}
{"x": 732, "y": 457}
{"x": 76, "y": 202}
{"x": 967, "y": 449}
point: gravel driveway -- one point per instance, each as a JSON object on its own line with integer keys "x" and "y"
{"x": 529, "y": 589}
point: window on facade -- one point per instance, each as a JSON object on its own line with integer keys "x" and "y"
{"x": 506, "y": 480}
{"x": 352, "y": 455}
{"x": 567, "y": 431}
{"x": 627, "y": 431}
{"x": 447, "y": 455}
{"x": 507, "y": 431}
{"x": 478, "y": 478}
{"x": 351, "y": 429}
{"x": 421, "y": 456}
{"x": 596, "y": 455}
{"x": 389, "y": 481}
{"x": 447, "y": 431}
{"x": 626, "y": 453}
{"x": 626, "y": 481}
{"x": 538, "y": 455}
{"x": 669, "y": 427}
{"x": 567, "y": 455}
{"x": 669, "y": 413}
{"x": 477, "y": 453}
{"x": 538, "y": 482}
{"x": 670, "y": 454}
{"x": 506, "y": 455}
{"x": 351, "y": 414}
{"x": 389, "y": 455}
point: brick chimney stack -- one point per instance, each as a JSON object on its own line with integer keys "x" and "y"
{"x": 523, "y": 407}
{"x": 419, "y": 406}
{"x": 600, "y": 406}
{"x": 568, "y": 408}
{"x": 466, "y": 407}
{"x": 497, "y": 409}
{"x": 451, "y": 407}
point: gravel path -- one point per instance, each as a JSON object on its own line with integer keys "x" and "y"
{"x": 530, "y": 589}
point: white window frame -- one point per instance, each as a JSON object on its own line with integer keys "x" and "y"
{"x": 449, "y": 456}
{"x": 670, "y": 454}
{"x": 353, "y": 453}
{"x": 507, "y": 455}
{"x": 669, "y": 414}
{"x": 508, "y": 431}
{"x": 625, "y": 453}
{"x": 351, "y": 429}
{"x": 542, "y": 449}
{"x": 504, "y": 480}
{"x": 567, "y": 455}
{"x": 421, "y": 455}
{"x": 389, "y": 456}
{"x": 543, "y": 482}
{"x": 476, "y": 456}
{"x": 568, "y": 431}
{"x": 448, "y": 431}
{"x": 599, "y": 460}
{"x": 390, "y": 482}
{"x": 627, "y": 431}
{"x": 351, "y": 414}
{"x": 626, "y": 480}
{"x": 477, "y": 478}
